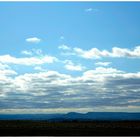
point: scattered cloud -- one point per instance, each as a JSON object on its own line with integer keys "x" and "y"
{"x": 103, "y": 63}
{"x": 33, "y": 40}
{"x": 95, "y": 53}
{"x": 25, "y": 52}
{"x": 69, "y": 65}
{"x": 102, "y": 87}
{"x": 89, "y": 54}
{"x": 64, "y": 47}
{"x": 8, "y": 59}
{"x": 32, "y": 52}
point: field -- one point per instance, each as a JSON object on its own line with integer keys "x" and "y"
{"x": 75, "y": 128}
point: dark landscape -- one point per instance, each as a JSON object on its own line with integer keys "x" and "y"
{"x": 74, "y": 128}
{"x": 71, "y": 124}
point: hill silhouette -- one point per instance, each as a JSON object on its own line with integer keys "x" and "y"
{"x": 74, "y": 116}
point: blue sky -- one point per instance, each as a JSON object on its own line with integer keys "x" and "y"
{"x": 69, "y": 56}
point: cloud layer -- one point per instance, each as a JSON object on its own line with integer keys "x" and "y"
{"x": 98, "y": 88}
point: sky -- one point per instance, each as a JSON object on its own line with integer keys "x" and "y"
{"x": 58, "y": 57}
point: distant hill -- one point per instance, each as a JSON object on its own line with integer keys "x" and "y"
{"x": 73, "y": 116}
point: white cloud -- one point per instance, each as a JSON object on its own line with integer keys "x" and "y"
{"x": 6, "y": 70}
{"x": 32, "y": 52}
{"x": 33, "y": 40}
{"x": 69, "y": 65}
{"x": 6, "y": 81}
{"x": 4, "y": 66}
{"x": 102, "y": 70}
{"x": 103, "y": 63}
{"x": 101, "y": 73}
{"x": 64, "y": 47}
{"x": 7, "y": 59}
{"x": 95, "y": 53}
{"x": 42, "y": 79}
{"x": 26, "y": 52}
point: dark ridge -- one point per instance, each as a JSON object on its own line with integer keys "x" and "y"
{"x": 115, "y": 116}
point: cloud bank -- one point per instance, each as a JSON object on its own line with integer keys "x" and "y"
{"x": 97, "y": 88}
